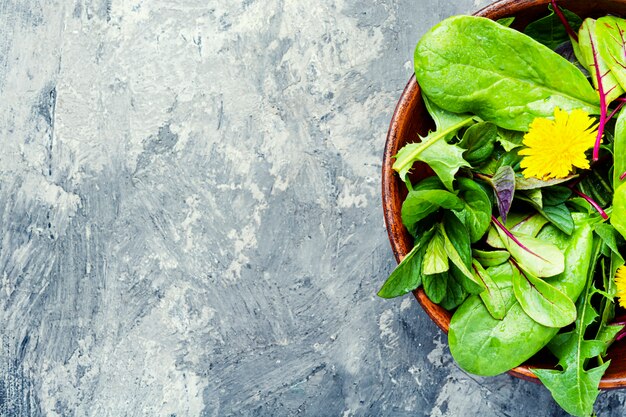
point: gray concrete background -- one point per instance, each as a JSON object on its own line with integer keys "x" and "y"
{"x": 190, "y": 215}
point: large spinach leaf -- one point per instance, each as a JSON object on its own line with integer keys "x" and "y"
{"x": 472, "y": 64}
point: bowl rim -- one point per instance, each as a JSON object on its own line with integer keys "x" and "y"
{"x": 392, "y": 205}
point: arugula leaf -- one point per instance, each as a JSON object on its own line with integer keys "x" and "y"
{"x": 476, "y": 214}
{"x": 575, "y": 388}
{"x": 479, "y": 141}
{"x": 503, "y": 183}
{"x": 443, "y": 158}
{"x": 550, "y": 31}
{"x": 472, "y": 64}
{"x": 435, "y": 259}
{"x": 510, "y": 139}
{"x": 408, "y": 274}
{"x": 541, "y": 301}
{"x": 444, "y": 119}
{"x": 419, "y": 204}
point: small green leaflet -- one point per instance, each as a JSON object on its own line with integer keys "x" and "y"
{"x": 550, "y": 31}
{"x": 476, "y": 214}
{"x": 408, "y": 274}
{"x": 435, "y": 259}
{"x": 541, "y": 301}
{"x": 490, "y": 258}
{"x": 491, "y": 296}
{"x": 421, "y": 203}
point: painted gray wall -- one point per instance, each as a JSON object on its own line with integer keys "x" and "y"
{"x": 190, "y": 214}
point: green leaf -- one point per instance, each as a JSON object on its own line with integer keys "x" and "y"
{"x": 609, "y": 236}
{"x": 457, "y": 244}
{"x": 510, "y": 139}
{"x": 491, "y": 296}
{"x": 490, "y": 258}
{"x": 611, "y": 46}
{"x": 472, "y": 64}
{"x": 506, "y": 21}
{"x": 530, "y": 225}
{"x": 541, "y": 301}
{"x": 587, "y": 34}
{"x": 443, "y": 118}
{"x": 435, "y": 259}
{"x": 455, "y": 291}
{"x": 559, "y": 216}
{"x": 419, "y": 204}
{"x": 555, "y": 195}
{"x": 619, "y": 149}
{"x": 476, "y": 214}
{"x": 478, "y": 140}
{"x": 575, "y": 388}
{"x": 550, "y": 31}
{"x": 435, "y": 286}
{"x": 408, "y": 274}
{"x": 443, "y": 158}
{"x": 485, "y": 346}
{"x": 522, "y": 183}
{"x": 618, "y": 216}
{"x": 538, "y": 257}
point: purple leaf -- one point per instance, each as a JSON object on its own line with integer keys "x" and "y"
{"x": 503, "y": 183}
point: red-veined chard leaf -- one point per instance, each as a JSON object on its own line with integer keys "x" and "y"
{"x": 611, "y": 42}
{"x": 538, "y": 257}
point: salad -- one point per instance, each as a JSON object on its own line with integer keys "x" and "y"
{"x": 520, "y": 231}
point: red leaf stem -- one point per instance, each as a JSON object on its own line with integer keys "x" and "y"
{"x": 564, "y": 21}
{"x": 621, "y": 177}
{"x": 592, "y": 202}
{"x": 603, "y": 105}
{"x": 619, "y": 106}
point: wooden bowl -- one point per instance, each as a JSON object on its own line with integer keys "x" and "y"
{"x": 411, "y": 118}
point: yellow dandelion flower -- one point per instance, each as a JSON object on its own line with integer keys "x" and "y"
{"x": 620, "y": 284}
{"x": 555, "y": 147}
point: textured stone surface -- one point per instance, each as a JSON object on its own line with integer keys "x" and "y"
{"x": 190, "y": 214}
